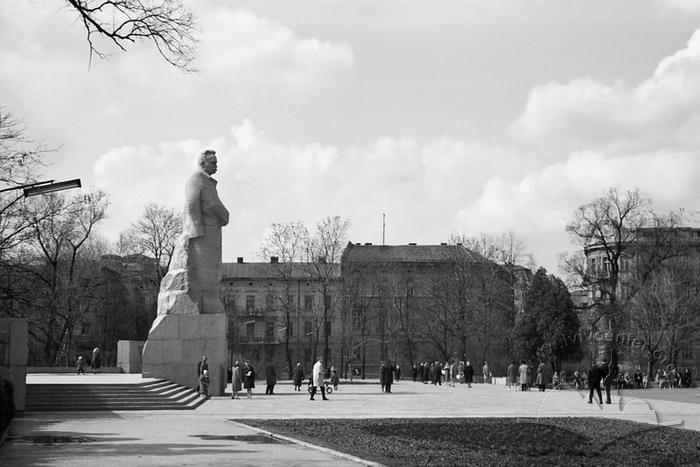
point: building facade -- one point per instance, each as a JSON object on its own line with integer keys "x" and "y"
{"x": 406, "y": 304}
{"x": 284, "y": 313}
{"x": 654, "y": 280}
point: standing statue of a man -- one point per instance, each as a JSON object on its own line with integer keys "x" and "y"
{"x": 198, "y": 254}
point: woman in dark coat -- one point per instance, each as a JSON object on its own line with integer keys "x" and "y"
{"x": 297, "y": 377}
{"x": 468, "y": 374}
{"x": 248, "y": 378}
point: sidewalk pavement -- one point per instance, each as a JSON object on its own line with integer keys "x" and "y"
{"x": 215, "y": 434}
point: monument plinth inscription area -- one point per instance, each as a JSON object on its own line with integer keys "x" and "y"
{"x": 191, "y": 321}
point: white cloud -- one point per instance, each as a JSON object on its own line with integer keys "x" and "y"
{"x": 684, "y": 6}
{"x": 420, "y": 187}
{"x": 585, "y": 113}
{"x": 240, "y": 47}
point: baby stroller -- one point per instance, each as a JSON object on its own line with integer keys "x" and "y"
{"x": 326, "y": 383}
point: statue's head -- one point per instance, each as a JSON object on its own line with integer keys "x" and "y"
{"x": 207, "y": 161}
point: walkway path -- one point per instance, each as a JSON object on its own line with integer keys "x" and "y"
{"x": 214, "y": 433}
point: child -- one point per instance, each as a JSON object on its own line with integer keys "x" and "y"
{"x": 204, "y": 384}
{"x": 334, "y": 378}
{"x": 79, "y": 365}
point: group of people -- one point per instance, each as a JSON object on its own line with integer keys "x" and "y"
{"x": 450, "y": 372}
{"x": 95, "y": 362}
{"x": 521, "y": 377}
{"x": 672, "y": 378}
{"x": 243, "y": 377}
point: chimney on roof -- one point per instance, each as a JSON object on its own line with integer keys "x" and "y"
{"x": 459, "y": 244}
{"x": 412, "y": 244}
{"x": 443, "y": 244}
{"x": 368, "y": 244}
{"x": 239, "y": 260}
{"x": 274, "y": 259}
{"x": 358, "y": 244}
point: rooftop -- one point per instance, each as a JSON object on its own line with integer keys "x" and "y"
{"x": 411, "y": 253}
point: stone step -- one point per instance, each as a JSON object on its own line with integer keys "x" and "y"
{"x": 156, "y": 395}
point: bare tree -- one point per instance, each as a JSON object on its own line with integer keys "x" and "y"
{"x": 504, "y": 248}
{"x": 632, "y": 241}
{"x": 663, "y": 315}
{"x": 288, "y": 242}
{"x": 63, "y": 272}
{"x": 20, "y": 157}
{"x": 476, "y": 295}
{"x": 165, "y": 23}
{"x": 324, "y": 250}
{"x": 154, "y": 234}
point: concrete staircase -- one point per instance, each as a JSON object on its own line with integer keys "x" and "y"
{"x": 152, "y": 395}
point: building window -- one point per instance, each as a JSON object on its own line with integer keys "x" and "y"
{"x": 308, "y": 303}
{"x": 270, "y": 302}
{"x": 250, "y": 331}
{"x": 307, "y": 327}
{"x": 356, "y": 317}
{"x": 84, "y": 328}
{"x": 250, "y": 304}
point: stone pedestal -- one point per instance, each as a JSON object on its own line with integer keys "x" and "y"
{"x": 14, "y": 339}
{"x": 176, "y": 343}
{"x": 129, "y": 356}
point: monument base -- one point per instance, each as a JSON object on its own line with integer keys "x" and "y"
{"x": 177, "y": 342}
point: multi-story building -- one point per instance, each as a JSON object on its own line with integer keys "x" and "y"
{"x": 282, "y": 313}
{"x": 407, "y": 304}
{"x": 654, "y": 279}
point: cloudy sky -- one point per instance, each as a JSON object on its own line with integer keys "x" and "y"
{"x": 449, "y": 116}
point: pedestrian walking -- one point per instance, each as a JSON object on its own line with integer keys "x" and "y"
{"x": 96, "y": 361}
{"x": 201, "y": 366}
{"x": 334, "y": 378}
{"x": 297, "y": 376}
{"x": 248, "y": 379}
{"x": 317, "y": 379}
{"x": 544, "y": 376}
{"x": 204, "y": 384}
{"x": 486, "y": 371}
{"x": 80, "y": 365}
{"x": 595, "y": 375}
{"x": 236, "y": 380}
{"x": 523, "y": 370}
{"x": 511, "y": 376}
{"x": 270, "y": 378}
{"x": 468, "y": 374}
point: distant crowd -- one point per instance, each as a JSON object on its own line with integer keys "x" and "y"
{"x": 523, "y": 376}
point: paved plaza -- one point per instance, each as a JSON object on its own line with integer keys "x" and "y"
{"x": 215, "y": 433}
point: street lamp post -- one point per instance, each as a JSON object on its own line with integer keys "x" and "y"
{"x": 47, "y": 186}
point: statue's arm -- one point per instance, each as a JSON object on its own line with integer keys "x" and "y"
{"x": 193, "y": 209}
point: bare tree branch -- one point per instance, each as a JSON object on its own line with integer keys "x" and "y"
{"x": 166, "y": 23}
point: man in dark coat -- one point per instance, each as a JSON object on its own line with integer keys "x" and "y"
{"x": 468, "y": 374}
{"x": 595, "y": 375}
{"x": 388, "y": 376}
{"x": 609, "y": 375}
{"x": 382, "y": 375}
{"x": 270, "y": 378}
